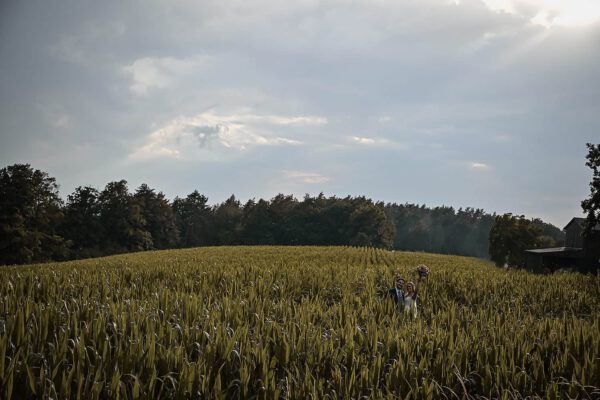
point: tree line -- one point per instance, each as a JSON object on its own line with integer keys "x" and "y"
{"x": 511, "y": 235}
{"x": 36, "y": 225}
{"x": 464, "y": 232}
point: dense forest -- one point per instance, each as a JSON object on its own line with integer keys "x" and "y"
{"x": 36, "y": 225}
{"x": 449, "y": 231}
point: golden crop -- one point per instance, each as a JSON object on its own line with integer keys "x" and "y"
{"x": 294, "y": 322}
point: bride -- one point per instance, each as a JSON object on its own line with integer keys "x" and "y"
{"x": 410, "y": 298}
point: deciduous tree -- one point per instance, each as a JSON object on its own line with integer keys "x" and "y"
{"x": 591, "y": 205}
{"x": 510, "y": 236}
{"x": 30, "y": 215}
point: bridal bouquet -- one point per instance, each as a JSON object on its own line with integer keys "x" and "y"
{"x": 423, "y": 270}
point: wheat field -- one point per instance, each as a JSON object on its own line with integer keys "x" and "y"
{"x": 294, "y": 323}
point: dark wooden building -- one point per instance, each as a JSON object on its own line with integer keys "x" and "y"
{"x": 579, "y": 253}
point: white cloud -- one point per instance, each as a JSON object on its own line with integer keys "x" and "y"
{"x": 363, "y": 140}
{"x": 551, "y": 12}
{"x": 379, "y": 142}
{"x": 478, "y": 166}
{"x": 306, "y": 177}
{"x": 187, "y": 135}
{"x": 160, "y": 73}
{"x": 280, "y": 120}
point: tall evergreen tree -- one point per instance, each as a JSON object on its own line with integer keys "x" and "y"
{"x": 307, "y": 224}
{"x": 82, "y": 224}
{"x": 159, "y": 217}
{"x": 194, "y": 220}
{"x": 228, "y": 222}
{"x": 30, "y": 216}
{"x": 257, "y": 223}
{"x": 122, "y": 220}
{"x": 280, "y": 212}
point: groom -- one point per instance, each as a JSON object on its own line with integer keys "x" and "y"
{"x": 397, "y": 292}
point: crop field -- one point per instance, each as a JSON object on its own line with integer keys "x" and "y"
{"x": 294, "y": 323}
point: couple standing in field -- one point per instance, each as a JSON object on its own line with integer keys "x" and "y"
{"x": 404, "y": 295}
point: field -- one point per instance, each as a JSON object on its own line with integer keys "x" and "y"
{"x": 294, "y": 322}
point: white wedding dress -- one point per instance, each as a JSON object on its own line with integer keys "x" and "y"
{"x": 410, "y": 303}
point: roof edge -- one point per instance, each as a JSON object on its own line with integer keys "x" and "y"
{"x": 579, "y": 220}
{"x": 554, "y": 250}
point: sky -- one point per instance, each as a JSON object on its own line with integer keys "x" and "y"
{"x": 470, "y": 103}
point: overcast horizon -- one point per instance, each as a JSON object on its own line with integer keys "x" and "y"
{"x": 475, "y": 103}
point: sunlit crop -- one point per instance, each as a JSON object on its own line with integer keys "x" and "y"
{"x": 294, "y": 322}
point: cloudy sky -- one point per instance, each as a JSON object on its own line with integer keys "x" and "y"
{"x": 482, "y": 103}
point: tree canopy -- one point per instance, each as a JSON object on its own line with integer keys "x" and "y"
{"x": 37, "y": 226}
{"x": 591, "y": 205}
{"x": 511, "y": 235}
{"x": 30, "y": 216}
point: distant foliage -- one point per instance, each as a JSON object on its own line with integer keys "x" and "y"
{"x": 82, "y": 222}
{"x": 159, "y": 217}
{"x": 511, "y": 235}
{"x": 94, "y": 223}
{"x": 193, "y": 218}
{"x": 440, "y": 229}
{"x": 591, "y": 205}
{"x": 123, "y": 220}
{"x": 30, "y": 216}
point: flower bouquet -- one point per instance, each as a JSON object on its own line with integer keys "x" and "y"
{"x": 423, "y": 271}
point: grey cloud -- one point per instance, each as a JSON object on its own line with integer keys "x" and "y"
{"x": 450, "y": 83}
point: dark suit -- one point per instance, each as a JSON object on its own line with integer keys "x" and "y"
{"x": 397, "y": 295}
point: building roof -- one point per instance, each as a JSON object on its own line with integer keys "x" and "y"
{"x": 554, "y": 250}
{"x": 580, "y": 221}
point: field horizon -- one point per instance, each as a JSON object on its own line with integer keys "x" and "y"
{"x": 294, "y": 322}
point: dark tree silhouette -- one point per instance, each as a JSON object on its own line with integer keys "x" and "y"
{"x": 194, "y": 220}
{"x": 228, "y": 222}
{"x": 82, "y": 224}
{"x": 510, "y": 236}
{"x": 122, "y": 220}
{"x": 30, "y": 216}
{"x": 159, "y": 217}
{"x": 113, "y": 221}
{"x": 591, "y": 205}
